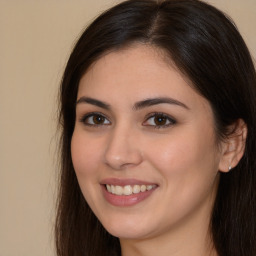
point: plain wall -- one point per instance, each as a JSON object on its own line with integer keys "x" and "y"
{"x": 36, "y": 38}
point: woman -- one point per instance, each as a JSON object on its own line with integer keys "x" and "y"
{"x": 158, "y": 135}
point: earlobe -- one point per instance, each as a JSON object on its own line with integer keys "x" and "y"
{"x": 233, "y": 147}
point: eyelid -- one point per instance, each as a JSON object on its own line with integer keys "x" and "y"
{"x": 91, "y": 114}
{"x": 171, "y": 120}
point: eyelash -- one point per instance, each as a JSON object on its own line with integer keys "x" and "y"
{"x": 85, "y": 118}
{"x": 161, "y": 115}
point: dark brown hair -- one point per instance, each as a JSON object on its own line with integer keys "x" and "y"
{"x": 207, "y": 48}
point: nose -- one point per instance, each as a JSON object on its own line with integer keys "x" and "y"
{"x": 122, "y": 149}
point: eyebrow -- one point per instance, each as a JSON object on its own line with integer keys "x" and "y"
{"x": 155, "y": 101}
{"x": 137, "y": 106}
{"x": 94, "y": 102}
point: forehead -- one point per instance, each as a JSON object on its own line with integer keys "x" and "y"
{"x": 135, "y": 58}
{"x": 138, "y": 71}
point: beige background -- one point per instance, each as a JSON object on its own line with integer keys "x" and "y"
{"x": 36, "y": 38}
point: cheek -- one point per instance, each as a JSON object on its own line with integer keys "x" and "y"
{"x": 188, "y": 168}
{"x": 186, "y": 158}
{"x": 85, "y": 158}
{"x": 85, "y": 155}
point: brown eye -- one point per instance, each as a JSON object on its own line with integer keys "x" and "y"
{"x": 95, "y": 119}
{"x": 159, "y": 120}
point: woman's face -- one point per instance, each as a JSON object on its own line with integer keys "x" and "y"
{"x": 144, "y": 146}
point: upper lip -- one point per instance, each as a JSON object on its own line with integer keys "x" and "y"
{"x": 124, "y": 182}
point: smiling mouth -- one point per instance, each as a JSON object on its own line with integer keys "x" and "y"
{"x": 128, "y": 189}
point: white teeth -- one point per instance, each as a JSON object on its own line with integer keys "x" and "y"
{"x": 143, "y": 188}
{"x": 149, "y": 187}
{"x": 112, "y": 189}
{"x": 136, "y": 189}
{"x": 118, "y": 190}
{"x": 128, "y": 189}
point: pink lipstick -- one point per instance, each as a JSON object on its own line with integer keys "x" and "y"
{"x": 126, "y": 192}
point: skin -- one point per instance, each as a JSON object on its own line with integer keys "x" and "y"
{"x": 181, "y": 157}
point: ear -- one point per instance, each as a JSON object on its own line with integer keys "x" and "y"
{"x": 232, "y": 149}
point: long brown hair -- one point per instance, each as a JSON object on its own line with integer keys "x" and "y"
{"x": 207, "y": 48}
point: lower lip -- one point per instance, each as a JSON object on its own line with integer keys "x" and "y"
{"x": 130, "y": 200}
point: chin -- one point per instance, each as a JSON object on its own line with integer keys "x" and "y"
{"x": 128, "y": 229}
